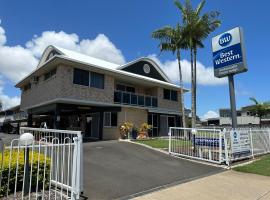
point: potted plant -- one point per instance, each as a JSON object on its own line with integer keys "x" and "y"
{"x": 125, "y": 129}
{"x": 143, "y": 131}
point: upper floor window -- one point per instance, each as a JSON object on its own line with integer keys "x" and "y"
{"x": 125, "y": 88}
{"x": 81, "y": 77}
{"x": 27, "y": 87}
{"x": 170, "y": 94}
{"x": 97, "y": 80}
{"x": 50, "y": 74}
{"x": 86, "y": 78}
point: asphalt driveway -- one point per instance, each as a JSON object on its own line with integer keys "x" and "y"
{"x": 120, "y": 170}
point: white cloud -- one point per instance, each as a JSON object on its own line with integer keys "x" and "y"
{"x": 3, "y": 38}
{"x": 18, "y": 61}
{"x": 205, "y": 75}
{"x": 61, "y": 39}
{"x": 101, "y": 47}
{"x": 6, "y": 100}
{"x": 210, "y": 114}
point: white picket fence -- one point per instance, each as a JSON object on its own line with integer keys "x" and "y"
{"x": 46, "y": 166}
{"x": 216, "y": 145}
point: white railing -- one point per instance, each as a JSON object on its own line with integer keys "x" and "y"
{"x": 219, "y": 146}
{"x": 202, "y": 144}
{"x": 46, "y": 166}
{"x": 257, "y": 142}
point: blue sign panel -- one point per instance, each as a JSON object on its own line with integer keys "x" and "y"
{"x": 208, "y": 142}
{"x": 228, "y": 53}
{"x": 228, "y": 56}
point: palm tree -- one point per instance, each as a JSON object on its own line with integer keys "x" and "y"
{"x": 198, "y": 28}
{"x": 171, "y": 39}
{"x": 259, "y": 109}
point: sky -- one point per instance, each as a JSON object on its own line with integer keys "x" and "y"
{"x": 120, "y": 31}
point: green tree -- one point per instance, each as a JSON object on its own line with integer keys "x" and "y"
{"x": 172, "y": 40}
{"x": 259, "y": 109}
{"x": 198, "y": 27}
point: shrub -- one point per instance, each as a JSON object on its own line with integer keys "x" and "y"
{"x": 13, "y": 166}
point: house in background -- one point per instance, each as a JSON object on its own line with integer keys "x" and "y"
{"x": 74, "y": 91}
{"x": 11, "y": 119}
{"x": 244, "y": 118}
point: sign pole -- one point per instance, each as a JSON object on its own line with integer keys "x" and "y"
{"x": 232, "y": 100}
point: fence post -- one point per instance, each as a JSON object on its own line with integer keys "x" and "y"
{"x": 220, "y": 146}
{"x": 269, "y": 139}
{"x": 170, "y": 140}
{"x": 227, "y": 160}
{"x": 74, "y": 191}
{"x": 251, "y": 143}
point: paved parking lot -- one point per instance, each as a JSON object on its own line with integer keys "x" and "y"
{"x": 120, "y": 170}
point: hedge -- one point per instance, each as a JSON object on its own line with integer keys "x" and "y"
{"x": 13, "y": 166}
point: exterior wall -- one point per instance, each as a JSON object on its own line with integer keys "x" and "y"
{"x": 43, "y": 91}
{"x": 243, "y": 120}
{"x": 61, "y": 86}
{"x": 134, "y": 115}
{"x": 80, "y": 92}
{"x": 167, "y": 104}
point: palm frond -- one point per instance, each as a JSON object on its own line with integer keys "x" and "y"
{"x": 200, "y": 7}
{"x": 254, "y": 100}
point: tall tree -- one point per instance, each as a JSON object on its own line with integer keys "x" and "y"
{"x": 172, "y": 40}
{"x": 1, "y": 105}
{"x": 259, "y": 109}
{"x": 198, "y": 26}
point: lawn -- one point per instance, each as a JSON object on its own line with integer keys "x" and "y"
{"x": 261, "y": 167}
{"x": 161, "y": 143}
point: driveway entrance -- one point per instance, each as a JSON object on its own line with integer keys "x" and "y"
{"x": 120, "y": 170}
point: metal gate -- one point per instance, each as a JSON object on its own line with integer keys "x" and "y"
{"x": 42, "y": 164}
{"x": 203, "y": 144}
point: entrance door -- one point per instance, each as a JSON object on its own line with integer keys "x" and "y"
{"x": 92, "y": 126}
{"x": 165, "y": 123}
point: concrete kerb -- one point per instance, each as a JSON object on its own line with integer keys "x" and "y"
{"x": 178, "y": 157}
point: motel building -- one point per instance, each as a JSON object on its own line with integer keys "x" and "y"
{"x": 73, "y": 91}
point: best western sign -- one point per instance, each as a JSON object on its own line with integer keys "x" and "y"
{"x": 228, "y": 53}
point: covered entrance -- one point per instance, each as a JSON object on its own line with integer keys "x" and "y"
{"x": 85, "y": 118}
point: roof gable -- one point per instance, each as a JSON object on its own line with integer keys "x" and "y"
{"x": 145, "y": 67}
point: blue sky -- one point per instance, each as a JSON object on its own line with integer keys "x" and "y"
{"x": 128, "y": 26}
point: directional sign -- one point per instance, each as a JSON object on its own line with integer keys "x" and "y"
{"x": 229, "y": 53}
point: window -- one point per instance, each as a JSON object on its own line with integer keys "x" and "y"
{"x": 27, "y": 87}
{"x": 170, "y": 94}
{"x": 110, "y": 119}
{"x": 97, "y": 80}
{"x": 166, "y": 94}
{"x": 173, "y": 95}
{"x": 81, "y": 77}
{"x": 125, "y": 88}
{"x": 50, "y": 74}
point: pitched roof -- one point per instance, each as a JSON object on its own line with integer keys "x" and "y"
{"x": 94, "y": 62}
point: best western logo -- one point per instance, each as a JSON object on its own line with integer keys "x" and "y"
{"x": 225, "y": 39}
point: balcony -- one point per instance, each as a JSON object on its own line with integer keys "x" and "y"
{"x": 133, "y": 99}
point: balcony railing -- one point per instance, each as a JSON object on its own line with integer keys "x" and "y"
{"x": 134, "y": 99}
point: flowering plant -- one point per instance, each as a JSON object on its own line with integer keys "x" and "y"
{"x": 125, "y": 129}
